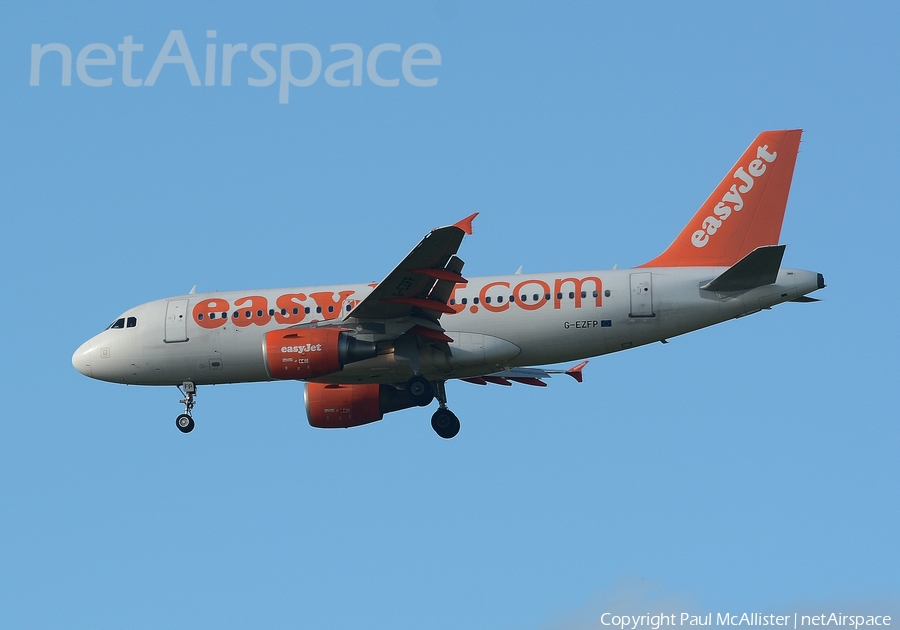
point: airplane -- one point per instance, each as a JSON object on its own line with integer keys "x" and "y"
{"x": 366, "y": 350}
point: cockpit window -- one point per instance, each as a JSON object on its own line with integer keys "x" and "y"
{"x": 122, "y": 322}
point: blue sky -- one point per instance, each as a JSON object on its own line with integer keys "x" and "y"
{"x": 747, "y": 467}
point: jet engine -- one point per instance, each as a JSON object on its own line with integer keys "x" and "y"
{"x": 333, "y": 406}
{"x": 305, "y": 353}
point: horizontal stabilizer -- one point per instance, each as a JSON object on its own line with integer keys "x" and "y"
{"x": 756, "y": 269}
{"x": 804, "y": 299}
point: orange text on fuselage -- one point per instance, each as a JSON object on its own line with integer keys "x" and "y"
{"x": 294, "y": 308}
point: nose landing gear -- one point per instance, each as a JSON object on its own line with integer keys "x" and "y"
{"x": 185, "y": 422}
{"x": 444, "y": 422}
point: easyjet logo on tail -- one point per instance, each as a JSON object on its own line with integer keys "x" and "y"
{"x": 732, "y": 200}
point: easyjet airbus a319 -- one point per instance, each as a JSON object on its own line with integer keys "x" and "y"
{"x": 364, "y": 350}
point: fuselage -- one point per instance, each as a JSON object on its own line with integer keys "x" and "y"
{"x": 498, "y": 322}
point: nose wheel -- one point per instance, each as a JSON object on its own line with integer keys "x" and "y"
{"x": 185, "y": 422}
{"x": 444, "y": 422}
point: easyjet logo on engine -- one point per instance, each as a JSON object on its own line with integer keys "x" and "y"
{"x": 310, "y": 347}
{"x": 732, "y": 200}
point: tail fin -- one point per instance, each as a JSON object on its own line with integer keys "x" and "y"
{"x": 744, "y": 212}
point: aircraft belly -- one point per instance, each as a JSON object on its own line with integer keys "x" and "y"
{"x": 472, "y": 354}
{"x": 208, "y": 357}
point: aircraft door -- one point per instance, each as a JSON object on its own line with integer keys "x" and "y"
{"x": 641, "y": 295}
{"x": 176, "y": 321}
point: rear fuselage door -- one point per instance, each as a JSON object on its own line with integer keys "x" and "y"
{"x": 176, "y": 321}
{"x": 641, "y": 295}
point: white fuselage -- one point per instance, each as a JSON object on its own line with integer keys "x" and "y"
{"x": 213, "y": 338}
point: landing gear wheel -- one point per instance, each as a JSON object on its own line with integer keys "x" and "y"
{"x": 184, "y": 423}
{"x": 420, "y": 391}
{"x": 445, "y": 423}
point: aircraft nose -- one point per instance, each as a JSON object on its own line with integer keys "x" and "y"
{"x": 81, "y": 360}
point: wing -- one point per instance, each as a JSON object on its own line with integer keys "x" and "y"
{"x": 526, "y": 376}
{"x": 422, "y": 283}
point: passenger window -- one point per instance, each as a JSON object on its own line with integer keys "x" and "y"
{"x": 474, "y": 300}
{"x": 348, "y": 308}
{"x": 272, "y": 312}
{"x": 211, "y": 315}
{"x": 284, "y": 311}
{"x": 596, "y": 294}
{"x": 524, "y": 297}
{"x": 584, "y": 294}
{"x": 558, "y": 296}
{"x": 132, "y": 322}
{"x": 571, "y": 295}
{"x": 237, "y": 314}
{"x": 464, "y": 301}
{"x": 295, "y": 311}
{"x": 200, "y": 316}
{"x": 547, "y": 297}
{"x": 606, "y": 293}
{"x": 487, "y": 300}
{"x": 318, "y": 309}
{"x": 512, "y": 298}
{"x": 306, "y": 310}
{"x": 499, "y": 299}
{"x": 224, "y": 315}
{"x": 331, "y": 309}
{"x": 535, "y": 297}
{"x": 259, "y": 313}
{"x": 452, "y": 301}
{"x": 249, "y": 314}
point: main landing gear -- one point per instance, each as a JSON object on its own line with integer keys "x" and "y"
{"x": 421, "y": 391}
{"x": 444, "y": 422}
{"x": 185, "y": 422}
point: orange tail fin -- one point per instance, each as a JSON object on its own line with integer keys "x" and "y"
{"x": 744, "y": 212}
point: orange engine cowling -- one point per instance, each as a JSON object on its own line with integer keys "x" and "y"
{"x": 333, "y": 406}
{"x": 304, "y": 353}
{"x": 341, "y": 406}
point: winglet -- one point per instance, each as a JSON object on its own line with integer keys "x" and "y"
{"x": 466, "y": 224}
{"x": 575, "y": 372}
